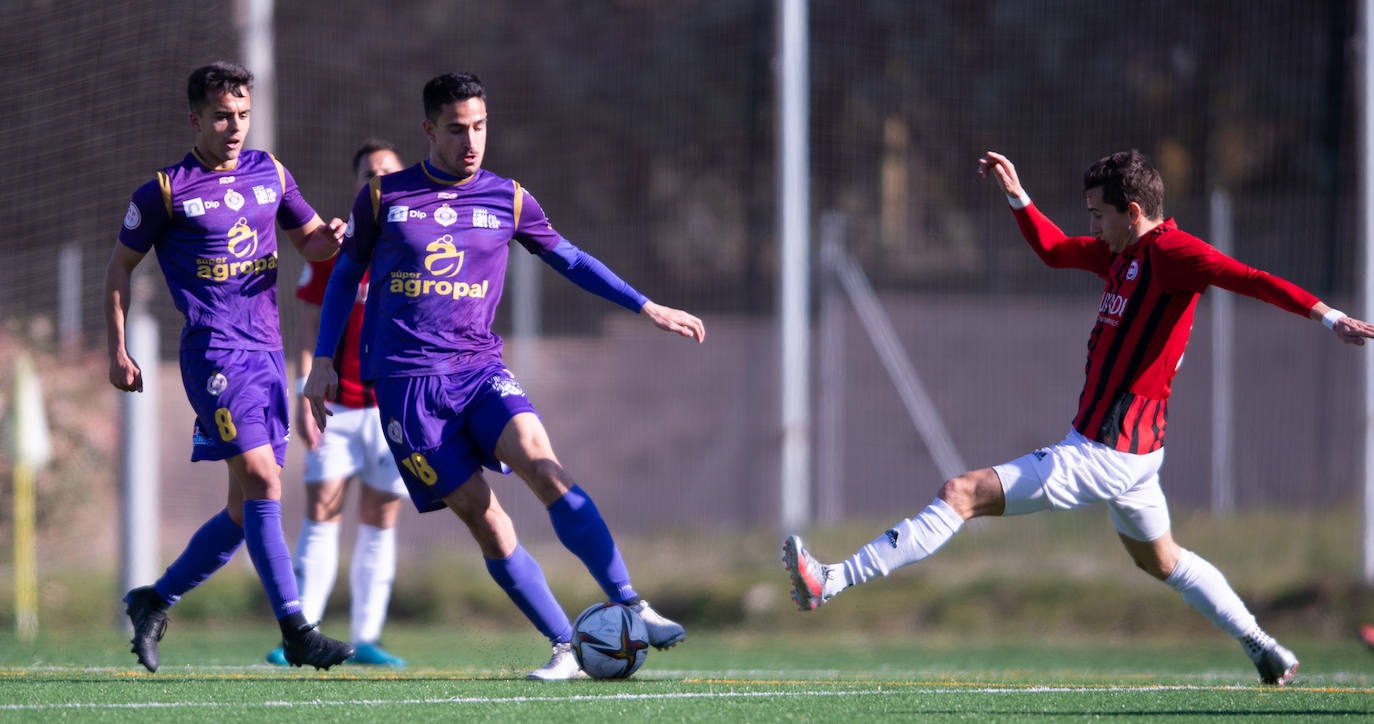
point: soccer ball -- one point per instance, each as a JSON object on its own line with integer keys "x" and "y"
{"x": 610, "y": 641}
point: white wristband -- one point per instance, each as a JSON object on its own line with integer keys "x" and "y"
{"x": 1019, "y": 202}
{"x": 1329, "y": 319}
{"x": 300, "y": 385}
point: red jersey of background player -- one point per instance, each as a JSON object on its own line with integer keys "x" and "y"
{"x": 1144, "y": 319}
{"x": 353, "y": 392}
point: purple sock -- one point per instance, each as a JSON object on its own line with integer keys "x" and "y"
{"x": 583, "y": 531}
{"x": 523, "y": 580}
{"x": 267, "y": 547}
{"x": 208, "y": 550}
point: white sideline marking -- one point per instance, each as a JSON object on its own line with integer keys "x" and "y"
{"x": 624, "y": 697}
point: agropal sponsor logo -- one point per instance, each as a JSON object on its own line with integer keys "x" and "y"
{"x": 443, "y": 260}
{"x": 243, "y": 239}
{"x": 242, "y": 245}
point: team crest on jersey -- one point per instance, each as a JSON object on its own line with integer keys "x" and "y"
{"x": 132, "y": 218}
{"x": 265, "y": 195}
{"x": 243, "y": 240}
{"x": 393, "y": 431}
{"x": 483, "y": 219}
{"x": 216, "y": 384}
{"x": 1133, "y": 270}
{"x": 397, "y": 214}
{"x": 506, "y": 386}
{"x": 444, "y": 259}
{"x": 348, "y": 230}
{"x": 445, "y": 215}
{"x": 233, "y": 199}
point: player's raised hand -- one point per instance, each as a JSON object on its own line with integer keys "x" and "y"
{"x": 675, "y": 320}
{"x": 1353, "y": 331}
{"x": 1001, "y": 170}
{"x": 321, "y": 385}
{"x": 126, "y": 374}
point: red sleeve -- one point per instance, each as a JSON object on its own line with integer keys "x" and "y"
{"x": 1059, "y": 250}
{"x": 1192, "y": 265}
{"x": 314, "y": 279}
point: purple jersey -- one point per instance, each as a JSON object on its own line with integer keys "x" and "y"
{"x": 216, "y": 238}
{"x": 436, "y": 252}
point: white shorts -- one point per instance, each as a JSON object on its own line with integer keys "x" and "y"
{"x": 1079, "y": 472}
{"x": 352, "y": 444}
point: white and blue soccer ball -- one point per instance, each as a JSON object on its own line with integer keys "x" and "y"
{"x": 610, "y": 641}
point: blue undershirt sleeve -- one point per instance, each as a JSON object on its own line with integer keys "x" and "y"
{"x": 339, "y": 296}
{"x": 588, "y": 272}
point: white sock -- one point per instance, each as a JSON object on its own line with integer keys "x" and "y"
{"x": 1205, "y": 589}
{"x": 370, "y": 577}
{"x": 317, "y": 565}
{"x": 907, "y": 542}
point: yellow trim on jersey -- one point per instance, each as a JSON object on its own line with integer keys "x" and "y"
{"x": 165, "y": 183}
{"x": 374, "y": 189}
{"x": 519, "y": 201}
{"x": 281, "y": 173}
{"x": 196, "y": 152}
{"x": 425, "y": 167}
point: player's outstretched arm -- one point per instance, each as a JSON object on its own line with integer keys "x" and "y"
{"x": 1000, "y": 169}
{"x": 675, "y": 320}
{"x": 1346, "y": 328}
{"x": 317, "y": 240}
{"x": 125, "y": 373}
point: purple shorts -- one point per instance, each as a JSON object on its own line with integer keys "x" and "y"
{"x": 240, "y": 400}
{"x": 443, "y": 428}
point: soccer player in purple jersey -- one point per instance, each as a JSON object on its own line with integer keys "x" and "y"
{"x": 434, "y": 239}
{"x": 212, "y": 218}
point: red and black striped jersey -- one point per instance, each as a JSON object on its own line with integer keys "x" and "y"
{"x": 1144, "y": 318}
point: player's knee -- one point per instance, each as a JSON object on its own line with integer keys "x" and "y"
{"x": 260, "y": 482}
{"x": 380, "y": 514}
{"x": 547, "y": 479}
{"x": 1154, "y": 564}
{"x": 1153, "y": 567}
{"x": 494, "y": 532}
{"x": 961, "y": 493}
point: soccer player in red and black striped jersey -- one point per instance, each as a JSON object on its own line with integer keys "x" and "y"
{"x": 1154, "y": 273}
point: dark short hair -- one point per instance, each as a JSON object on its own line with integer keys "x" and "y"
{"x": 216, "y": 78}
{"x": 448, "y": 88}
{"x": 1127, "y": 176}
{"x": 369, "y": 147}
